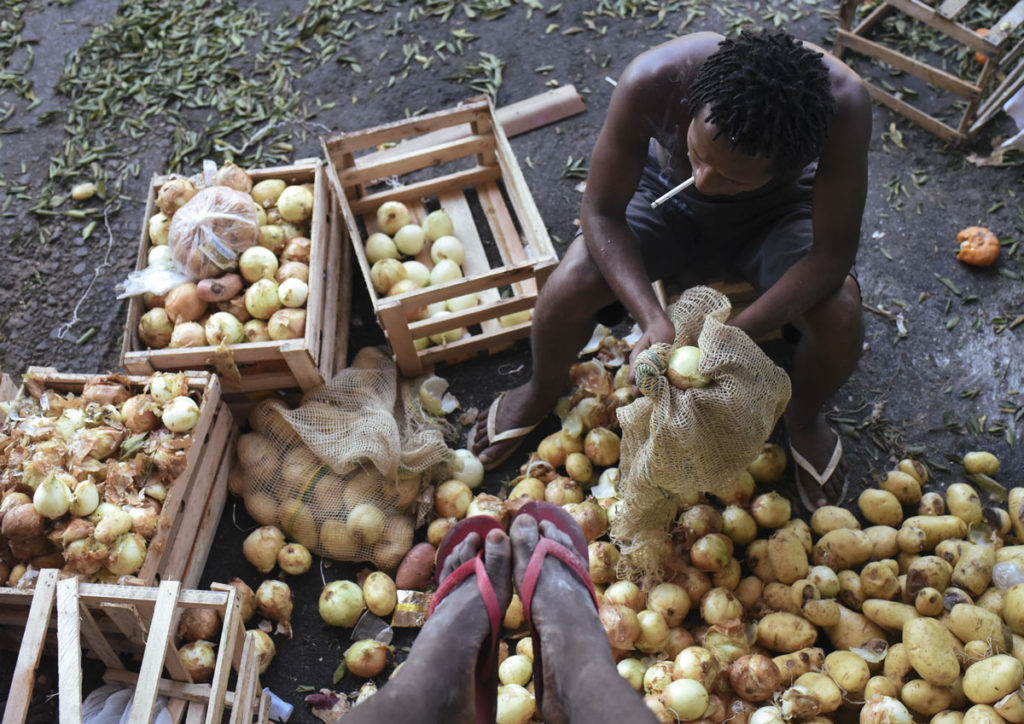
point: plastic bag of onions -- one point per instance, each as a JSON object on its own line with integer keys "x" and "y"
{"x": 209, "y": 232}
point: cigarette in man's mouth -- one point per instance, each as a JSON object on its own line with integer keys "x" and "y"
{"x": 672, "y": 192}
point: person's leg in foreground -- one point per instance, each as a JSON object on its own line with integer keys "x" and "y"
{"x": 580, "y": 680}
{"x": 437, "y": 682}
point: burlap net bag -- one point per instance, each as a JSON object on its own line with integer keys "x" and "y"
{"x": 342, "y": 472}
{"x": 677, "y": 441}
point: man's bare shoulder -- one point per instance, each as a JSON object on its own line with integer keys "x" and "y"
{"x": 671, "y": 61}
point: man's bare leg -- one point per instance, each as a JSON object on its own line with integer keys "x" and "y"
{"x": 437, "y": 682}
{"x": 581, "y": 683}
{"x": 563, "y": 321}
{"x": 830, "y": 344}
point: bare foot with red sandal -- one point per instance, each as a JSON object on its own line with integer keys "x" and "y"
{"x": 575, "y": 679}
{"x": 451, "y": 672}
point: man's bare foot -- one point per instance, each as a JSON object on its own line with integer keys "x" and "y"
{"x": 580, "y": 681}
{"x": 516, "y": 409}
{"x": 438, "y": 680}
{"x": 817, "y": 444}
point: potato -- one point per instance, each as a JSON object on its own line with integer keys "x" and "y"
{"x": 953, "y": 595}
{"x": 949, "y": 550}
{"x": 1011, "y": 553}
{"x": 788, "y": 556}
{"x": 759, "y": 562}
{"x": 803, "y": 590}
{"x": 982, "y": 714}
{"x": 975, "y": 651}
{"x": 802, "y": 531}
{"x": 896, "y": 667}
{"x": 220, "y": 289}
{"x": 1011, "y": 707}
{"x": 915, "y": 469}
{"x": 993, "y": 600}
{"x": 925, "y": 698}
{"x": 880, "y": 685}
{"x": 1015, "y": 506}
{"x": 1017, "y": 647}
{"x": 747, "y": 591}
{"x": 379, "y": 593}
{"x": 902, "y": 485}
{"x": 821, "y": 612}
{"x": 883, "y": 541}
{"x": 931, "y": 504}
{"x": 890, "y": 615}
{"x": 923, "y": 532}
{"x": 970, "y": 623}
{"x": 848, "y": 670}
{"x": 797, "y": 663}
{"x": 963, "y": 502}
{"x": 880, "y": 507}
{"x": 928, "y": 602}
{"x": 785, "y": 632}
{"x": 973, "y": 570}
{"x": 981, "y": 461}
{"x": 842, "y": 549}
{"x": 831, "y": 517}
{"x": 853, "y": 630}
{"x": 989, "y": 680}
{"x": 824, "y": 689}
{"x": 928, "y": 572}
{"x": 927, "y": 645}
{"x": 851, "y": 593}
{"x": 998, "y": 520}
{"x": 877, "y": 580}
{"x": 779, "y": 597}
{"x": 417, "y": 568}
{"x": 1013, "y": 608}
{"x": 947, "y": 717}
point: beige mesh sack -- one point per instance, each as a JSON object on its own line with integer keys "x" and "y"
{"x": 341, "y": 473}
{"x": 676, "y": 442}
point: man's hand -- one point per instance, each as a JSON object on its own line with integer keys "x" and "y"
{"x": 659, "y": 329}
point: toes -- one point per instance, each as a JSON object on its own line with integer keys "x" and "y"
{"x": 463, "y": 552}
{"x": 525, "y": 535}
{"x": 497, "y": 559}
{"x": 550, "y": 530}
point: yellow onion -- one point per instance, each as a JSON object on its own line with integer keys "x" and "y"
{"x": 632, "y": 670}
{"x": 255, "y": 330}
{"x": 140, "y": 414}
{"x": 199, "y": 660}
{"x": 127, "y": 554}
{"x": 621, "y": 624}
{"x": 755, "y": 677}
{"x": 187, "y": 334}
{"x": 173, "y": 194}
{"x": 671, "y": 601}
{"x": 712, "y": 552}
{"x": 367, "y": 658}
{"x": 198, "y": 624}
{"x": 562, "y": 491}
{"x": 274, "y": 600}
{"x": 234, "y": 177}
{"x": 292, "y": 270}
{"x": 111, "y": 522}
{"x": 698, "y": 664}
{"x": 555, "y": 448}
{"x": 85, "y": 556}
{"x": 261, "y": 547}
{"x": 264, "y": 647}
{"x": 183, "y": 303}
{"x": 657, "y": 677}
{"x": 686, "y": 698}
{"x": 262, "y": 299}
{"x": 287, "y": 324}
{"x": 156, "y": 328}
{"x": 591, "y": 517}
{"x": 452, "y": 499}
{"x": 516, "y": 705}
{"x": 294, "y": 559}
{"x": 144, "y": 519}
{"x": 700, "y": 520}
{"x": 625, "y": 592}
{"x": 246, "y": 599}
{"x": 297, "y": 249}
{"x": 719, "y": 604}
{"x": 165, "y": 386}
{"x": 682, "y": 370}
{"x": 341, "y": 603}
{"x": 653, "y": 631}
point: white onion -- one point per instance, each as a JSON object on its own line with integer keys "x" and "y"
{"x": 52, "y": 497}
{"x": 392, "y": 216}
{"x": 127, "y": 554}
{"x": 380, "y": 246}
{"x": 514, "y": 318}
{"x": 697, "y": 663}
{"x": 156, "y": 328}
{"x": 468, "y": 468}
{"x": 341, "y": 603}
{"x": 447, "y": 248}
{"x": 223, "y": 327}
{"x": 881, "y": 709}
{"x": 767, "y": 715}
{"x": 682, "y": 368}
{"x": 292, "y": 292}
{"x": 653, "y": 631}
{"x": 292, "y": 270}
{"x": 295, "y": 203}
{"x": 181, "y": 414}
{"x": 771, "y": 510}
{"x": 85, "y": 498}
{"x": 274, "y": 600}
{"x": 255, "y": 330}
{"x": 417, "y": 272}
{"x": 625, "y": 592}
{"x": 452, "y": 499}
{"x": 366, "y": 523}
{"x": 516, "y": 705}
{"x": 257, "y": 262}
{"x": 160, "y": 256}
{"x": 261, "y": 547}
{"x": 671, "y": 601}
{"x": 632, "y": 670}
{"x": 437, "y": 224}
{"x": 297, "y": 249}
{"x": 159, "y": 228}
{"x": 448, "y": 336}
{"x": 444, "y": 271}
{"x": 165, "y": 386}
{"x": 294, "y": 559}
{"x": 111, "y": 523}
{"x": 264, "y": 647}
{"x": 657, "y": 677}
{"x": 410, "y": 239}
{"x": 516, "y": 669}
{"x": 464, "y": 301}
{"x": 686, "y": 698}
{"x": 262, "y": 299}
{"x": 385, "y": 273}
{"x": 266, "y": 192}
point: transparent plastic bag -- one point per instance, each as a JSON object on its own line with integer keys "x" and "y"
{"x": 209, "y": 232}
{"x": 153, "y": 279}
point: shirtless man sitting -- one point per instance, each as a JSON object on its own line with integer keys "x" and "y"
{"x": 775, "y": 133}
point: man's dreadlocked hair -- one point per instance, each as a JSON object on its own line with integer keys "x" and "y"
{"x": 768, "y": 94}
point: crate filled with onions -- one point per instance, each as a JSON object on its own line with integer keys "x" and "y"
{"x": 241, "y": 272}
{"x": 444, "y": 229}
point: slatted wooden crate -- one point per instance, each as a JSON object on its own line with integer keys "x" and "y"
{"x": 122, "y": 624}
{"x": 472, "y": 175}
{"x": 255, "y": 366}
{"x": 195, "y": 500}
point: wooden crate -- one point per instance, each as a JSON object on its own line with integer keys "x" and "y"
{"x": 253, "y": 366}
{"x": 477, "y": 171}
{"x": 194, "y": 502}
{"x": 115, "y": 623}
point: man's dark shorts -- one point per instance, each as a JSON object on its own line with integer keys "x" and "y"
{"x": 692, "y": 238}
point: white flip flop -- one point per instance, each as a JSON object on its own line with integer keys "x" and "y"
{"x": 822, "y": 477}
{"x": 493, "y": 436}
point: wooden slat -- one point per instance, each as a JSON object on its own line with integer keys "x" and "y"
{"x": 263, "y": 715}
{"x": 455, "y": 204}
{"x": 987, "y": 72}
{"x": 472, "y": 345}
{"x": 31, "y": 651}
{"x": 474, "y": 315}
{"x": 231, "y": 623}
{"x": 343, "y": 299}
{"x": 358, "y": 140}
{"x": 927, "y": 15}
{"x": 245, "y": 689}
{"x": 128, "y": 621}
{"x": 196, "y": 713}
{"x": 157, "y": 647}
{"x": 318, "y": 260}
{"x": 392, "y": 319}
{"x": 418, "y": 159}
{"x": 951, "y": 8}
{"x": 210, "y": 521}
{"x": 506, "y": 235}
{"x": 933, "y": 125}
{"x": 301, "y": 363}
{"x": 1006, "y": 25}
{"x": 896, "y": 59}
{"x": 96, "y": 640}
{"x": 494, "y": 278}
{"x": 429, "y": 187}
{"x": 323, "y": 343}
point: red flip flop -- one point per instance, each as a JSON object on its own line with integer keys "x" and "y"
{"x": 487, "y": 672}
{"x": 557, "y": 515}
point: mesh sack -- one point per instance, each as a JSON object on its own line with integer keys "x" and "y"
{"x": 209, "y": 232}
{"x": 675, "y": 442}
{"x": 342, "y": 472}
